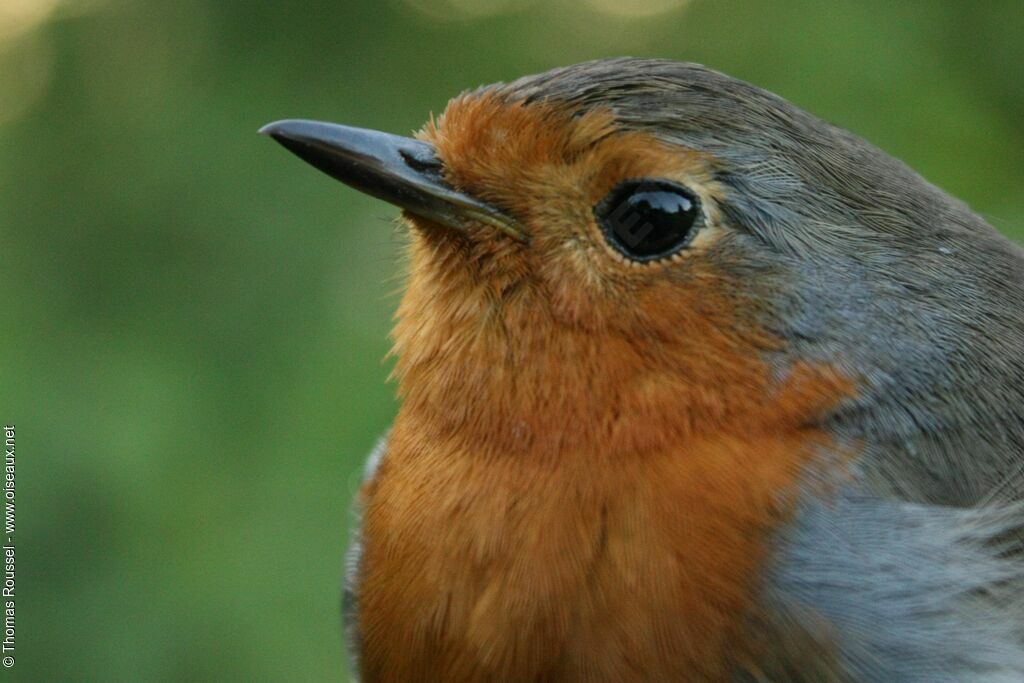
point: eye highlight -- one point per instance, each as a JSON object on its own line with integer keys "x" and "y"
{"x": 647, "y": 220}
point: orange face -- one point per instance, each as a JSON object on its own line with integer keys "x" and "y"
{"x": 532, "y": 338}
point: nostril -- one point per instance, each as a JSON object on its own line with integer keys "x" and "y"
{"x": 422, "y": 159}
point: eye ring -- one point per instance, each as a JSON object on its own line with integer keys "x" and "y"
{"x": 649, "y": 220}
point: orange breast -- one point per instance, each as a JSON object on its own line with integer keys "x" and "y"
{"x": 589, "y": 566}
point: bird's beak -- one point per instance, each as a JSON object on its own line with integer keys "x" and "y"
{"x": 402, "y": 171}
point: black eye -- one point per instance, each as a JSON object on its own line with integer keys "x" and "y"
{"x": 649, "y": 219}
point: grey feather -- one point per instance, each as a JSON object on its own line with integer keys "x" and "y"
{"x": 909, "y": 593}
{"x": 353, "y": 562}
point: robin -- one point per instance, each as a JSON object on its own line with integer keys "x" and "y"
{"x": 694, "y": 387}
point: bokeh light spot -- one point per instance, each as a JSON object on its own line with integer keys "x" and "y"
{"x": 636, "y": 8}
{"x": 463, "y": 10}
{"x": 18, "y": 17}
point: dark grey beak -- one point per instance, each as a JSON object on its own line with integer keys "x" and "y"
{"x": 401, "y": 171}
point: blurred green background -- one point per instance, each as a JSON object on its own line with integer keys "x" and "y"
{"x": 193, "y": 321}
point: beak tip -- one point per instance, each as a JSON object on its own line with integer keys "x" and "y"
{"x": 286, "y": 128}
{"x": 269, "y": 129}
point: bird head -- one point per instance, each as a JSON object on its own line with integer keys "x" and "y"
{"x": 632, "y": 252}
